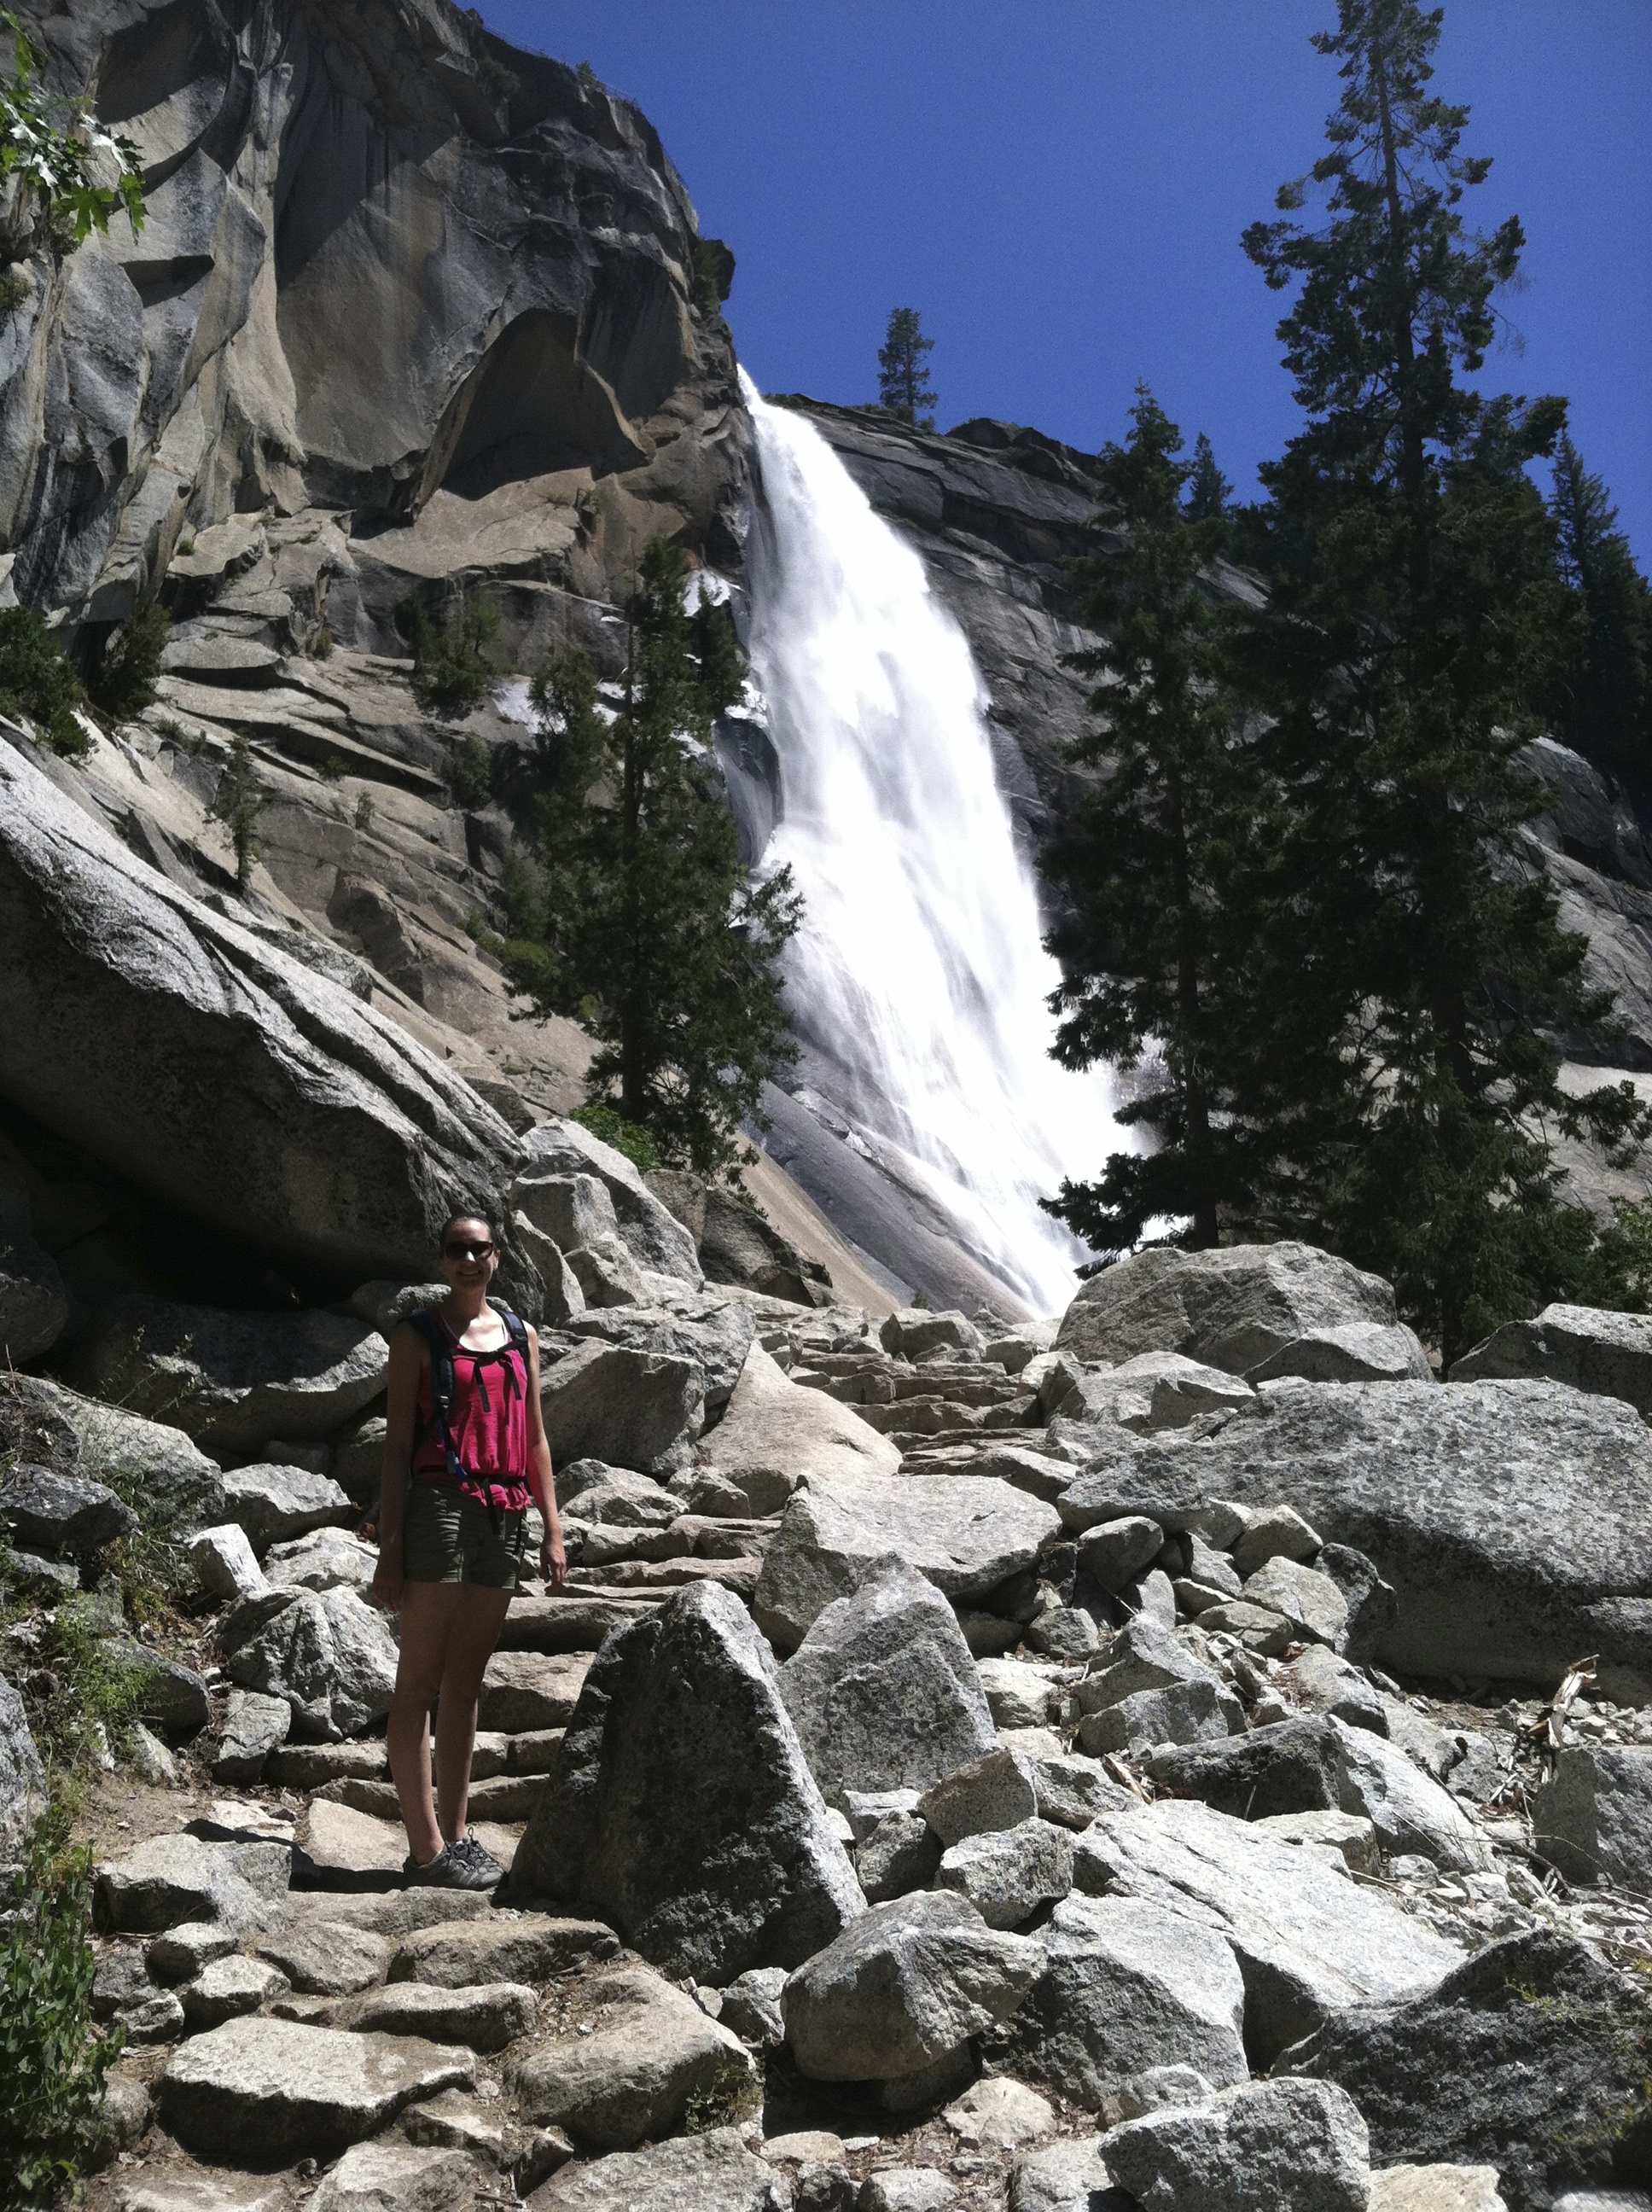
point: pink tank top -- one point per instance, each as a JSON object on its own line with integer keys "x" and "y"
{"x": 489, "y": 1424}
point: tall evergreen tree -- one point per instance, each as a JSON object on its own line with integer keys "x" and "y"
{"x": 1157, "y": 869}
{"x": 1408, "y": 647}
{"x": 648, "y": 930}
{"x": 1209, "y": 493}
{"x": 1603, "y": 699}
{"x": 903, "y": 384}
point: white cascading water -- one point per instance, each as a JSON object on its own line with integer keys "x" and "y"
{"x": 918, "y": 974}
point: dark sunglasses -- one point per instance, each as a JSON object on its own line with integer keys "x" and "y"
{"x": 468, "y": 1251}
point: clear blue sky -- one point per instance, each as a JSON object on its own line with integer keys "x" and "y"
{"x": 1059, "y": 187}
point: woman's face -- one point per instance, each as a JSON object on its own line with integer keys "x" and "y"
{"x": 469, "y": 1257}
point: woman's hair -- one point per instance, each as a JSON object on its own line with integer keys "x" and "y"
{"x": 454, "y": 1221}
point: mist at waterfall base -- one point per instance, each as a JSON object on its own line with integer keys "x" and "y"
{"x": 918, "y": 982}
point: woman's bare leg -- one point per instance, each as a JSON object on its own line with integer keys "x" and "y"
{"x": 428, "y": 1612}
{"x": 476, "y": 1622}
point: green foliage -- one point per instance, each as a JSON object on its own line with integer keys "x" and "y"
{"x": 239, "y": 802}
{"x": 49, "y": 147}
{"x": 126, "y": 665}
{"x": 1602, "y": 699}
{"x": 101, "y": 1689}
{"x": 590, "y": 83}
{"x": 15, "y": 289}
{"x": 37, "y": 681}
{"x": 452, "y": 672}
{"x": 322, "y": 644}
{"x": 638, "y": 1146}
{"x": 1411, "y": 638}
{"x": 713, "y": 274}
{"x": 364, "y": 810}
{"x": 51, "y": 2063}
{"x": 732, "y": 2095}
{"x": 903, "y": 384}
{"x": 1163, "y": 898}
{"x": 470, "y": 772}
{"x": 500, "y": 80}
{"x": 655, "y": 937}
{"x": 1209, "y": 494}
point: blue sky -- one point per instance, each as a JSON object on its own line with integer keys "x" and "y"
{"x": 1060, "y": 185}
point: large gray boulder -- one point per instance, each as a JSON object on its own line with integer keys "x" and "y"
{"x": 709, "y": 2172}
{"x": 1531, "y": 2056}
{"x": 776, "y": 1434}
{"x": 1128, "y": 1986}
{"x": 651, "y": 1233}
{"x": 22, "y": 1779}
{"x": 1234, "y": 1308}
{"x": 109, "y": 1444}
{"x": 883, "y": 1691}
{"x": 184, "y": 1051}
{"x": 326, "y": 1653}
{"x": 271, "y": 1503}
{"x": 1310, "y": 1942}
{"x": 965, "y": 1534}
{"x": 1512, "y": 1519}
{"x": 1608, "y": 1354}
{"x": 46, "y": 1511}
{"x": 632, "y": 1408}
{"x": 714, "y": 1333}
{"x": 233, "y": 1380}
{"x": 271, "y": 2091}
{"x": 625, "y": 2071}
{"x": 683, "y": 1811}
{"x": 903, "y": 1989}
{"x": 1592, "y": 1817}
{"x": 1268, "y": 2147}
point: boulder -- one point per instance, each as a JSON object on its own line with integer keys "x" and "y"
{"x": 1019, "y": 1695}
{"x": 274, "y": 2091}
{"x": 522, "y": 1690}
{"x": 896, "y": 1848}
{"x": 912, "y": 1331}
{"x": 776, "y": 1434}
{"x": 22, "y": 1779}
{"x": 1114, "y": 1553}
{"x": 1607, "y": 1354}
{"x": 883, "y": 1691}
{"x": 683, "y": 1811}
{"x": 1066, "y": 2177}
{"x": 1440, "y": 2188}
{"x": 966, "y": 1537}
{"x": 181, "y": 1050}
{"x": 1311, "y": 1603}
{"x": 1511, "y": 1518}
{"x": 646, "y": 2049}
{"x": 170, "y": 1879}
{"x": 1144, "y": 1655}
{"x": 714, "y": 1333}
{"x": 1262, "y": 2148}
{"x": 271, "y": 1503}
{"x": 525, "y": 1946}
{"x": 1355, "y": 1351}
{"x": 225, "y": 1564}
{"x": 1128, "y": 1986}
{"x": 1316, "y": 1764}
{"x": 1531, "y": 2056}
{"x": 1001, "y": 2114}
{"x": 903, "y": 1989}
{"x": 392, "y": 2176}
{"x": 1008, "y": 1874}
{"x": 1153, "y": 1391}
{"x": 1316, "y": 1678}
{"x": 327, "y": 1958}
{"x": 750, "y": 2005}
{"x": 227, "y": 1987}
{"x": 1273, "y": 1532}
{"x": 50, "y": 1512}
{"x": 106, "y": 1444}
{"x": 709, "y": 2172}
{"x": 329, "y": 1655}
{"x": 325, "y": 1559}
{"x": 1310, "y": 1943}
{"x": 655, "y": 1239}
{"x": 994, "y": 1792}
{"x": 1592, "y": 1817}
{"x": 1195, "y": 1712}
{"x": 231, "y": 1380}
{"x": 631, "y": 1408}
{"x": 484, "y": 2016}
{"x": 34, "y": 1306}
{"x": 906, "y": 2189}
{"x": 254, "y": 1726}
{"x": 1232, "y": 1308}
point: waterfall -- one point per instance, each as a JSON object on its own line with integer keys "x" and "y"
{"x": 918, "y": 982}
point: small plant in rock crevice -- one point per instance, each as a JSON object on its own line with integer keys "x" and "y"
{"x": 240, "y": 801}
{"x": 37, "y": 681}
{"x": 734, "y": 2094}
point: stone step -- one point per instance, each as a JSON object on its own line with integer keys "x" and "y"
{"x": 739, "y": 1576}
{"x": 577, "y": 1621}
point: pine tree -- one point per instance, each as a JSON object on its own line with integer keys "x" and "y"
{"x": 1157, "y": 870}
{"x": 1603, "y": 699}
{"x": 903, "y": 384}
{"x": 1209, "y": 493}
{"x": 1411, "y": 636}
{"x": 655, "y": 936}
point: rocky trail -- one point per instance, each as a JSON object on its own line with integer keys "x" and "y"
{"x": 961, "y": 1769}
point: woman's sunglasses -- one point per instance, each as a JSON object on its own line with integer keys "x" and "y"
{"x": 468, "y": 1251}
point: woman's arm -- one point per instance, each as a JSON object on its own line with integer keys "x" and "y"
{"x": 553, "y": 1560}
{"x": 407, "y": 1357}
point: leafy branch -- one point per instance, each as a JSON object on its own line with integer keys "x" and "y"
{"x": 53, "y": 150}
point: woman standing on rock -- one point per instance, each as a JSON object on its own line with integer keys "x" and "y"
{"x": 464, "y": 1446}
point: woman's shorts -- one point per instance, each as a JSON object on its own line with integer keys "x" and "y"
{"x": 448, "y": 1537}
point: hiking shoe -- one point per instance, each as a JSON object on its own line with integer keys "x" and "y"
{"x": 451, "y": 1868}
{"x": 478, "y": 1856}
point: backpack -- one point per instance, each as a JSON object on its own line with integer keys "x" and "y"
{"x": 430, "y": 1329}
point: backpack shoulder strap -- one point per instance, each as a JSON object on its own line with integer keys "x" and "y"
{"x": 515, "y": 1329}
{"x": 441, "y": 1360}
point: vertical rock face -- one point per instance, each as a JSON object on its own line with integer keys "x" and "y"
{"x": 684, "y": 1812}
{"x": 387, "y": 256}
